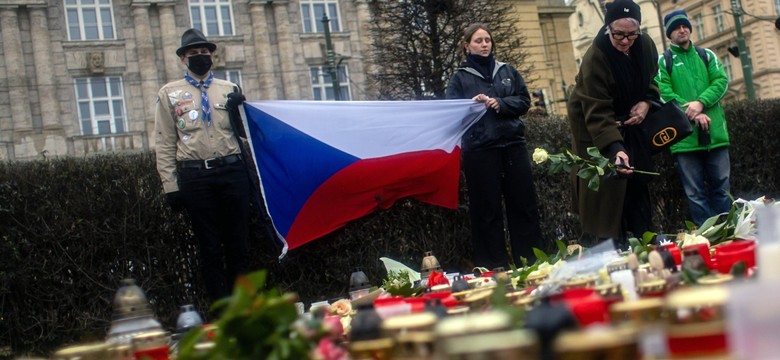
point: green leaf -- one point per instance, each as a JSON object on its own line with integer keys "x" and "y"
{"x": 593, "y": 152}
{"x": 689, "y": 225}
{"x": 738, "y": 269}
{"x": 561, "y": 246}
{"x": 586, "y": 173}
{"x": 540, "y": 254}
{"x": 707, "y": 224}
{"x": 593, "y": 183}
{"x": 647, "y": 237}
{"x": 635, "y": 244}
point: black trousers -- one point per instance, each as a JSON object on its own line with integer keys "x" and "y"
{"x": 217, "y": 202}
{"x": 499, "y": 179}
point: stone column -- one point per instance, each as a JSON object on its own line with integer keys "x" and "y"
{"x": 262, "y": 39}
{"x": 286, "y": 51}
{"x": 14, "y": 62}
{"x": 44, "y": 68}
{"x": 171, "y": 40}
{"x": 150, "y": 83}
{"x": 364, "y": 34}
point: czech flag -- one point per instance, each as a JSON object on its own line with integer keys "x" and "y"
{"x": 322, "y": 164}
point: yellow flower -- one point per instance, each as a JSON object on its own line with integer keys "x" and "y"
{"x": 540, "y": 155}
{"x": 341, "y": 307}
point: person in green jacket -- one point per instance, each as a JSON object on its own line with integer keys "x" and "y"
{"x": 698, "y": 82}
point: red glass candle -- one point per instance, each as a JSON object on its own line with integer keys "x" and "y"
{"x": 729, "y": 254}
{"x": 586, "y": 305}
{"x": 704, "y": 251}
{"x": 675, "y": 251}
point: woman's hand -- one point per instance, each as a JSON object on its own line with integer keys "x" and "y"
{"x": 481, "y": 98}
{"x": 621, "y": 163}
{"x": 693, "y": 109}
{"x": 703, "y": 121}
{"x": 637, "y": 114}
{"x": 489, "y": 102}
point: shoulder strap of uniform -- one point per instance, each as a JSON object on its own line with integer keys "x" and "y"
{"x": 703, "y": 55}
{"x": 668, "y": 61}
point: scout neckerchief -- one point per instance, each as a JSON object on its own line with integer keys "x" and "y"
{"x": 204, "y": 97}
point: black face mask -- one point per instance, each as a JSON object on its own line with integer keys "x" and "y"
{"x": 199, "y": 64}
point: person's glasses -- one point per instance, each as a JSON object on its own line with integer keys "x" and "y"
{"x": 621, "y": 36}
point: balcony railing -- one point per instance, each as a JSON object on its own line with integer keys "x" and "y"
{"x": 106, "y": 143}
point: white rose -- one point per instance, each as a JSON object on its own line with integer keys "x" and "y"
{"x": 540, "y": 155}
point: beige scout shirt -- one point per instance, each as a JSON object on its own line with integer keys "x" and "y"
{"x": 181, "y": 133}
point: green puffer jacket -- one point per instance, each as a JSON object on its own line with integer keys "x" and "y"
{"x": 692, "y": 80}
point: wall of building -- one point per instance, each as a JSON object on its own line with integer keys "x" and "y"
{"x": 39, "y": 64}
{"x": 549, "y": 44}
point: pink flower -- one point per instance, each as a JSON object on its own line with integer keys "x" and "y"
{"x": 332, "y": 326}
{"x": 328, "y": 350}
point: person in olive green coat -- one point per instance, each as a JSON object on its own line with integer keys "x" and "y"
{"x": 609, "y": 100}
{"x": 698, "y": 83}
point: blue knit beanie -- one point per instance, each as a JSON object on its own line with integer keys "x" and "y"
{"x": 674, "y": 19}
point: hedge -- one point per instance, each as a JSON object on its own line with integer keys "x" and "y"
{"x": 71, "y": 229}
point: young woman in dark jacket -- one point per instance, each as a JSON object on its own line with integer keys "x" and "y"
{"x": 495, "y": 158}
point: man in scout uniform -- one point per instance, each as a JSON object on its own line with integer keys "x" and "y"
{"x": 200, "y": 163}
{"x": 696, "y": 79}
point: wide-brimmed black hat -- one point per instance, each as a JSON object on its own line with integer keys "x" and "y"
{"x": 194, "y": 38}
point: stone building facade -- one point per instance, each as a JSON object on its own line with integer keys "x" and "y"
{"x": 79, "y": 77}
{"x": 548, "y": 41}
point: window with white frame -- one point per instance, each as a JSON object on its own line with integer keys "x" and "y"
{"x": 698, "y": 24}
{"x": 717, "y": 15}
{"x": 726, "y": 62}
{"x": 101, "y": 105}
{"x": 233, "y": 76}
{"x": 777, "y": 6}
{"x": 312, "y": 12}
{"x": 322, "y": 86}
{"x": 213, "y": 17}
{"x": 89, "y": 19}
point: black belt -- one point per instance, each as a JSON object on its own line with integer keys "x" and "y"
{"x": 210, "y": 163}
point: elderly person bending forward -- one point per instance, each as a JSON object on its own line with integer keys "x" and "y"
{"x": 609, "y": 100}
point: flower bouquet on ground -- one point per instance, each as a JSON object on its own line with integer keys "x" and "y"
{"x": 592, "y": 169}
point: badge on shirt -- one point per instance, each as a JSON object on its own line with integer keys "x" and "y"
{"x": 220, "y": 106}
{"x": 506, "y": 82}
{"x": 193, "y": 114}
{"x": 181, "y": 124}
{"x": 187, "y": 96}
{"x": 174, "y": 96}
{"x": 185, "y": 137}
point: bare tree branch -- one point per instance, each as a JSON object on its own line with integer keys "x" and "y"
{"x": 417, "y": 43}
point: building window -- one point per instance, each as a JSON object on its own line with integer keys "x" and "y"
{"x": 777, "y": 6}
{"x": 581, "y": 19}
{"x": 322, "y": 86}
{"x": 89, "y": 19}
{"x": 101, "y": 105}
{"x": 726, "y": 62}
{"x": 312, "y": 12}
{"x": 213, "y": 17}
{"x": 698, "y": 24}
{"x": 717, "y": 15}
{"x": 233, "y": 76}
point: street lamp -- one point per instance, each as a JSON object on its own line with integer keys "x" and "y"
{"x": 747, "y": 71}
{"x": 660, "y": 22}
{"x": 331, "y": 59}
